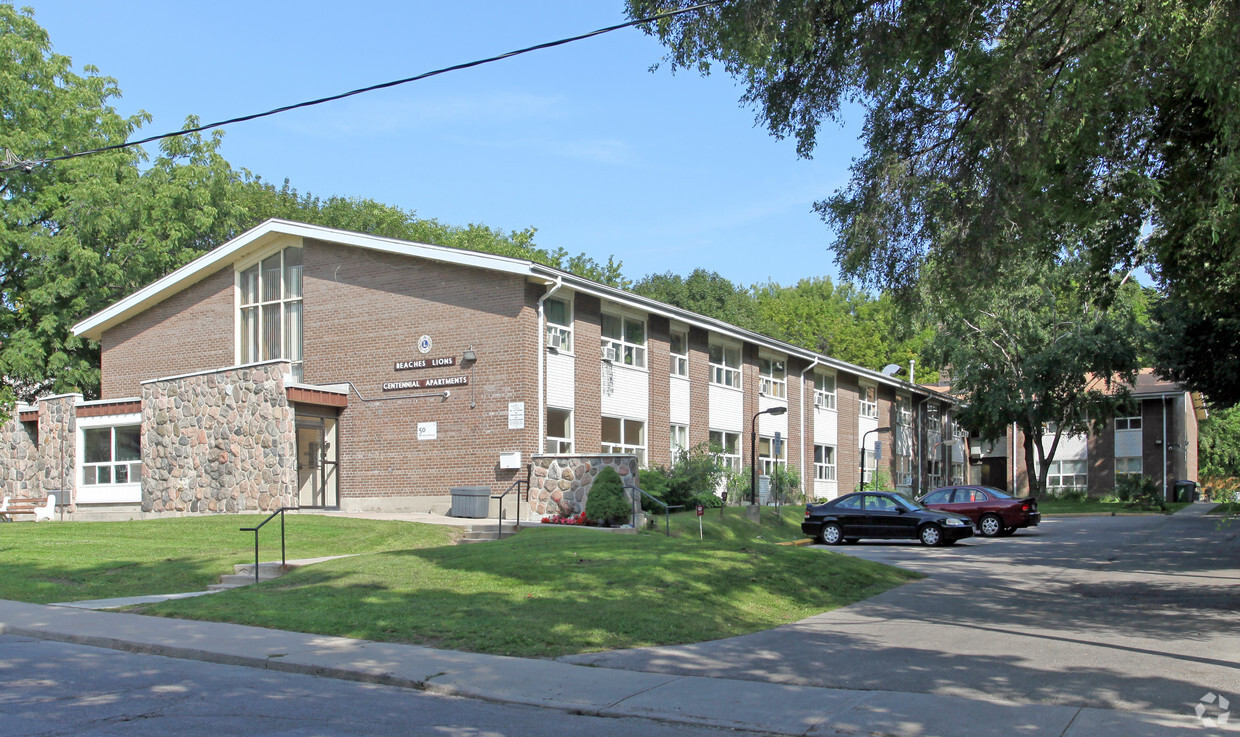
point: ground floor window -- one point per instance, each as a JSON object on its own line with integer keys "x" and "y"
{"x": 1127, "y": 467}
{"x": 727, "y": 448}
{"x": 559, "y": 431}
{"x": 680, "y": 440}
{"x": 1067, "y": 475}
{"x": 113, "y": 455}
{"x": 625, "y": 436}
{"x": 957, "y": 473}
{"x": 824, "y": 462}
{"x": 770, "y": 459}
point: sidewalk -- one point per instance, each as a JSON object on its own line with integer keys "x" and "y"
{"x": 735, "y": 704}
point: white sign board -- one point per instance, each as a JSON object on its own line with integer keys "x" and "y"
{"x": 516, "y": 415}
{"x": 428, "y": 430}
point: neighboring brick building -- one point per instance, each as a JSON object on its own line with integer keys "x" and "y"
{"x": 301, "y": 365}
{"x": 1158, "y": 438}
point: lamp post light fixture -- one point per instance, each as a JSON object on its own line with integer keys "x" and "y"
{"x": 863, "y": 437}
{"x": 753, "y": 450}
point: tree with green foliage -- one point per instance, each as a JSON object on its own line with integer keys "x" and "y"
{"x": 1034, "y": 352}
{"x": 704, "y": 292}
{"x": 1104, "y": 133}
{"x": 1218, "y": 443}
{"x": 607, "y": 503}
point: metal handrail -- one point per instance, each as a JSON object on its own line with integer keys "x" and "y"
{"x": 499, "y": 514}
{"x": 667, "y": 508}
{"x": 255, "y": 529}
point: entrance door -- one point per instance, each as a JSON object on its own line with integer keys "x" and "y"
{"x": 316, "y": 463}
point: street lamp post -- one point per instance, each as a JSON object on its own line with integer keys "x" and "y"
{"x": 863, "y": 437}
{"x": 753, "y": 450}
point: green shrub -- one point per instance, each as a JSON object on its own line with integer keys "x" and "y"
{"x": 607, "y": 502}
{"x": 1140, "y": 492}
{"x": 690, "y": 480}
{"x": 653, "y": 481}
{"x": 879, "y": 480}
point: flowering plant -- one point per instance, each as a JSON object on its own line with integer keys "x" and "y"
{"x": 572, "y": 519}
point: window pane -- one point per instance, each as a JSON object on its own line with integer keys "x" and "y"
{"x": 249, "y": 285}
{"x": 716, "y": 354}
{"x": 635, "y": 332}
{"x": 612, "y": 327}
{"x": 104, "y": 475}
{"x": 128, "y": 444}
{"x": 271, "y": 332}
{"x": 732, "y": 357}
{"x": 292, "y": 273}
{"x": 249, "y": 335}
{"x": 679, "y": 344}
{"x": 611, "y": 430}
{"x": 122, "y": 474}
{"x": 634, "y": 432}
{"x": 98, "y": 444}
{"x": 292, "y": 331}
{"x": 557, "y": 312}
{"x": 270, "y": 282}
{"x": 557, "y": 423}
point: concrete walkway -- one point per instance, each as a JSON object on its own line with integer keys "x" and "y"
{"x": 720, "y": 697}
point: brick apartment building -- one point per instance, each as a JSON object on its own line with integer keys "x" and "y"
{"x": 304, "y": 366}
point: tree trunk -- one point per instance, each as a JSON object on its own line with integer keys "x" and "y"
{"x": 1036, "y": 482}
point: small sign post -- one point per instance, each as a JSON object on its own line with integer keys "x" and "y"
{"x": 700, "y": 511}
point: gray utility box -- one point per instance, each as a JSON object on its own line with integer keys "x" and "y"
{"x": 470, "y": 501}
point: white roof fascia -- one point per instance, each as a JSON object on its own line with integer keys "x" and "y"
{"x": 711, "y": 324}
{"x": 210, "y": 262}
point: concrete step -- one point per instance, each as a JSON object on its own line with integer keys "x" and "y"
{"x": 486, "y": 531}
{"x": 266, "y": 571}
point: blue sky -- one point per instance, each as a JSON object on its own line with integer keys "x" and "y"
{"x": 667, "y": 172}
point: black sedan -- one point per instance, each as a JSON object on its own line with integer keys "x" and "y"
{"x": 877, "y": 514}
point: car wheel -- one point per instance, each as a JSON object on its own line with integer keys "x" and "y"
{"x": 1007, "y": 532}
{"x": 931, "y": 536}
{"x": 991, "y": 525}
{"x": 831, "y": 534}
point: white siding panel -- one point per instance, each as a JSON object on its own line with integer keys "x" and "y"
{"x": 561, "y": 378}
{"x": 678, "y": 402}
{"x": 1071, "y": 447}
{"x": 626, "y": 392}
{"x": 864, "y": 425}
{"x": 768, "y": 425}
{"x": 1127, "y": 443}
{"x": 826, "y": 427}
{"x": 727, "y": 409}
{"x": 826, "y": 489}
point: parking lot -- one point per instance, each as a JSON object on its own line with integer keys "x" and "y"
{"x": 1111, "y": 612}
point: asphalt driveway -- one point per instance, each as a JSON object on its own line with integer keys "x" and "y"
{"x": 1107, "y": 612}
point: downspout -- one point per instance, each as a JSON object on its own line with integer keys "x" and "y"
{"x": 801, "y": 434}
{"x": 542, "y": 363}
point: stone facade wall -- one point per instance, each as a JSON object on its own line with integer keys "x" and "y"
{"x": 561, "y": 484}
{"x": 19, "y": 459}
{"x": 58, "y": 447}
{"x": 218, "y": 442}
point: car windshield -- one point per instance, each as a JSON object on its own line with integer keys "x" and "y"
{"x": 997, "y": 493}
{"x": 907, "y": 503}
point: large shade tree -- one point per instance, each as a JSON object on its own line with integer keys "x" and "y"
{"x": 1100, "y": 132}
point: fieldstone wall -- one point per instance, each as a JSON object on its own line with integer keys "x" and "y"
{"x": 58, "y": 447}
{"x": 560, "y": 484}
{"x": 218, "y": 442}
{"x": 19, "y": 459}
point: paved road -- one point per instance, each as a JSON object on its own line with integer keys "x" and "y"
{"x": 1109, "y": 612}
{"x": 51, "y": 688}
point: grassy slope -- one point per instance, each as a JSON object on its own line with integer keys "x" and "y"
{"x": 1092, "y": 506}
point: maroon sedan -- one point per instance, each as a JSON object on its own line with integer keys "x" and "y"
{"x": 994, "y": 512}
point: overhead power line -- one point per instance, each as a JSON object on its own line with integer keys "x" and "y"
{"x": 11, "y": 163}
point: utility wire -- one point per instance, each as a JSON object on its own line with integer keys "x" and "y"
{"x": 11, "y": 164}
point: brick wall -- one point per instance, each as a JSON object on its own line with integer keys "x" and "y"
{"x": 190, "y": 331}
{"x": 588, "y": 412}
{"x": 699, "y": 381}
{"x": 848, "y": 462}
{"x": 659, "y": 361}
{"x": 1101, "y": 462}
{"x": 1151, "y": 442}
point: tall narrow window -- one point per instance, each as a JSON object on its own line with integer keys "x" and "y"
{"x": 824, "y": 391}
{"x": 271, "y": 309}
{"x": 769, "y": 458}
{"x": 725, "y": 365}
{"x": 559, "y": 431}
{"x": 680, "y": 440}
{"x": 869, "y": 401}
{"x": 824, "y": 462}
{"x": 726, "y": 446}
{"x": 559, "y": 314}
{"x": 773, "y": 379}
{"x": 680, "y": 353}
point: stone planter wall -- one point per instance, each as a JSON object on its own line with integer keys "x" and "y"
{"x": 19, "y": 460}
{"x": 560, "y": 484}
{"x": 218, "y": 442}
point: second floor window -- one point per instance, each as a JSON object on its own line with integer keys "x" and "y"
{"x": 271, "y": 310}
{"x": 559, "y": 323}
{"x": 626, "y": 339}
{"x": 773, "y": 379}
{"x": 824, "y": 391}
{"x": 869, "y": 401}
{"x": 1128, "y": 423}
{"x": 725, "y": 365}
{"x": 680, "y": 354}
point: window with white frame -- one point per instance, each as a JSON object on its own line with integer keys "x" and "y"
{"x": 904, "y": 441}
{"x": 727, "y": 448}
{"x": 824, "y": 462}
{"x": 725, "y": 365}
{"x": 112, "y": 455}
{"x": 1067, "y": 475}
{"x": 559, "y": 313}
{"x": 869, "y": 400}
{"x": 559, "y": 431}
{"x": 1128, "y": 423}
{"x": 957, "y": 473}
{"x": 680, "y": 440}
{"x": 768, "y": 459}
{"x": 625, "y": 436}
{"x": 870, "y": 466}
{"x": 772, "y": 378}
{"x": 680, "y": 353}
{"x": 626, "y": 336}
{"x": 271, "y": 309}
{"x": 824, "y": 391}
{"x": 1128, "y": 466}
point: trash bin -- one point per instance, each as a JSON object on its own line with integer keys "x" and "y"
{"x": 1186, "y": 491}
{"x": 470, "y": 501}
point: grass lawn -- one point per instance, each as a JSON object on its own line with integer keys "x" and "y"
{"x": 53, "y": 561}
{"x": 557, "y": 590}
{"x": 1227, "y": 508}
{"x": 1094, "y": 506}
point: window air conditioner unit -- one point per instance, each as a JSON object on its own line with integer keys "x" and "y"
{"x": 820, "y": 402}
{"x": 609, "y": 354}
{"x": 554, "y": 339}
